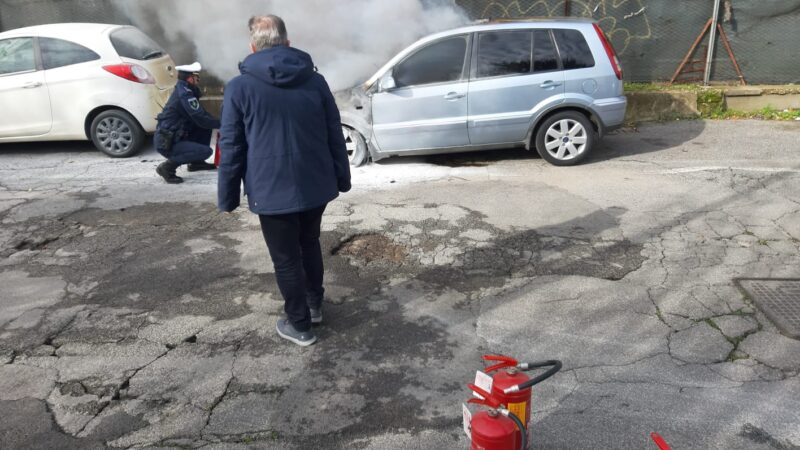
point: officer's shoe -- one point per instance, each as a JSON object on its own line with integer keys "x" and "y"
{"x": 167, "y": 172}
{"x": 198, "y": 166}
{"x": 287, "y": 331}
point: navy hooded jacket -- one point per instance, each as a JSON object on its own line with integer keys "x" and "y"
{"x": 282, "y": 135}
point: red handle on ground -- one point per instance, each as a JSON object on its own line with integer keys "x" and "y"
{"x": 660, "y": 442}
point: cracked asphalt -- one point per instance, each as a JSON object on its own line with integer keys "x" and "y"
{"x": 133, "y": 315}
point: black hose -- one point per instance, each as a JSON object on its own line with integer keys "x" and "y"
{"x": 522, "y": 431}
{"x": 536, "y": 380}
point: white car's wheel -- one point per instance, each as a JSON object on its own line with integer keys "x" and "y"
{"x": 356, "y": 147}
{"x": 117, "y": 134}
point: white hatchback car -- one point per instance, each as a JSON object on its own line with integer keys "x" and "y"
{"x": 76, "y": 81}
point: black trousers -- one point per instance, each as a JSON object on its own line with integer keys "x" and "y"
{"x": 293, "y": 243}
{"x": 194, "y": 148}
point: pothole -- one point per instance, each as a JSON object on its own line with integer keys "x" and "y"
{"x": 34, "y": 244}
{"x": 370, "y": 248}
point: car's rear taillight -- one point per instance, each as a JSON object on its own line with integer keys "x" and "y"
{"x": 131, "y": 72}
{"x": 612, "y": 55}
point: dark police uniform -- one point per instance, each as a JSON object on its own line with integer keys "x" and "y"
{"x": 184, "y": 132}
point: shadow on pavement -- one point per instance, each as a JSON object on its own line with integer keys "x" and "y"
{"x": 67, "y": 148}
{"x": 648, "y": 138}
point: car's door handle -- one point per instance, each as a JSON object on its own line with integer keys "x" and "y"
{"x": 454, "y": 96}
{"x": 549, "y": 84}
{"x": 32, "y": 85}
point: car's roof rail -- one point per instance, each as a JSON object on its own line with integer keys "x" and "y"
{"x": 531, "y": 19}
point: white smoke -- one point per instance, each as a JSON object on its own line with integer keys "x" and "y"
{"x": 348, "y": 39}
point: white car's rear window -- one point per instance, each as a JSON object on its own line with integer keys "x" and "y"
{"x": 132, "y": 43}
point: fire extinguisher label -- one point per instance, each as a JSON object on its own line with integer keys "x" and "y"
{"x": 518, "y": 409}
{"x": 467, "y": 421}
{"x": 483, "y": 381}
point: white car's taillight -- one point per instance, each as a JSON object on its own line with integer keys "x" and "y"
{"x": 131, "y": 72}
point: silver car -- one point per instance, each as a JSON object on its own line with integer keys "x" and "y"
{"x": 553, "y": 85}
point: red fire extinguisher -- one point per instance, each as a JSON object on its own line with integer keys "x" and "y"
{"x": 496, "y": 428}
{"x": 512, "y": 387}
{"x": 215, "y": 146}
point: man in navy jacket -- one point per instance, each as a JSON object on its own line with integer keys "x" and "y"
{"x": 282, "y": 137}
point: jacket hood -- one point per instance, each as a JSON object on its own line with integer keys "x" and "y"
{"x": 279, "y": 66}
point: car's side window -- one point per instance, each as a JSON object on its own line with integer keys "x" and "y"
{"x": 504, "y": 53}
{"x": 59, "y": 53}
{"x": 575, "y": 52}
{"x": 17, "y": 55}
{"x": 439, "y": 62}
{"x": 545, "y": 56}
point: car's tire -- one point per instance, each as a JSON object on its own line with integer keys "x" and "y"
{"x": 565, "y": 139}
{"x": 356, "y": 147}
{"x": 117, "y": 134}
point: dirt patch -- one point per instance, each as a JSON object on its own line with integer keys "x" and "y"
{"x": 371, "y": 248}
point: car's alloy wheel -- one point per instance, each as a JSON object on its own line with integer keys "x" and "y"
{"x": 114, "y": 135}
{"x": 117, "y": 134}
{"x": 565, "y": 139}
{"x": 356, "y": 147}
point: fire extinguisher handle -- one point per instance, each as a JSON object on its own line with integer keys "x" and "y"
{"x": 486, "y": 400}
{"x": 503, "y": 362}
{"x": 554, "y": 365}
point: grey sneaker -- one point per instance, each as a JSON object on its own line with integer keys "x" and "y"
{"x": 316, "y": 315}
{"x": 287, "y": 331}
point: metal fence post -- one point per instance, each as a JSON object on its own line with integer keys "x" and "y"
{"x": 711, "y": 41}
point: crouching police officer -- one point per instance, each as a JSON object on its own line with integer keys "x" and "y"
{"x": 184, "y": 128}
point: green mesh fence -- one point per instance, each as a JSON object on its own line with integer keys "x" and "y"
{"x": 651, "y": 36}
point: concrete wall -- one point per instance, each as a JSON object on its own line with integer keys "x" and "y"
{"x": 656, "y": 106}
{"x": 754, "y": 98}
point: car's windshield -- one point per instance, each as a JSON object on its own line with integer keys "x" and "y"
{"x": 132, "y": 43}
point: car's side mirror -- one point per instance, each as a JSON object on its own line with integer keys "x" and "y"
{"x": 387, "y": 83}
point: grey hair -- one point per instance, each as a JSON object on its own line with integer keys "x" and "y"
{"x": 267, "y": 32}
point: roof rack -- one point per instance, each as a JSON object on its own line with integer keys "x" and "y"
{"x": 529, "y": 19}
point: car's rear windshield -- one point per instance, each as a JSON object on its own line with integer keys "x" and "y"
{"x": 132, "y": 43}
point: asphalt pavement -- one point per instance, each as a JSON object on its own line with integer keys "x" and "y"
{"x": 134, "y": 315}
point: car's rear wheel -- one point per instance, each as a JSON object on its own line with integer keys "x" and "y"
{"x": 117, "y": 134}
{"x": 356, "y": 147}
{"x": 565, "y": 139}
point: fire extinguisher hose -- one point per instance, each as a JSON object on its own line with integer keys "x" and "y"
{"x": 554, "y": 365}
{"x": 522, "y": 431}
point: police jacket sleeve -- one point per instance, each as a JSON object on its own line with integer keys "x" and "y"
{"x": 199, "y": 116}
{"x": 233, "y": 153}
{"x": 336, "y": 142}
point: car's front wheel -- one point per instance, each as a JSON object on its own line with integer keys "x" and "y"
{"x": 356, "y": 147}
{"x": 117, "y": 134}
{"x": 565, "y": 139}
